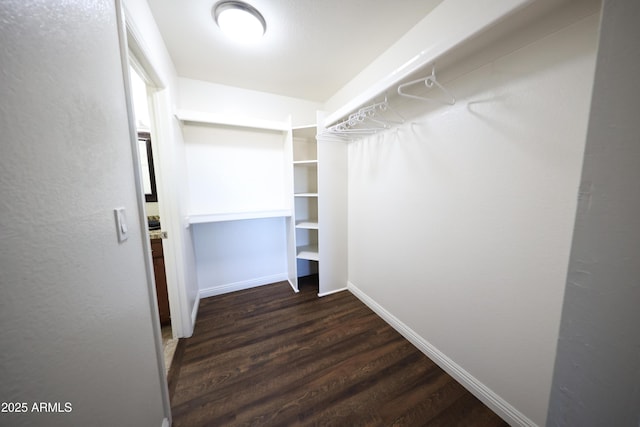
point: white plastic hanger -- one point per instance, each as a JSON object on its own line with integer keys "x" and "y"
{"x": 429, "y": 82}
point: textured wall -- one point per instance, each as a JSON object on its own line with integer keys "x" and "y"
{"x": 75, "y": 305}
{"x": 597, "y": 373}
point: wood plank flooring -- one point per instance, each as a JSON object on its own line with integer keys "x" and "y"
{"x": 269, "y": 357}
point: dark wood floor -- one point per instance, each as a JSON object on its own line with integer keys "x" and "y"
{"x": 267, "y": 356}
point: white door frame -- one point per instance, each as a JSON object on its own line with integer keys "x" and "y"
{"x": 155, "y": 317}
{"x": 160, "y": 112}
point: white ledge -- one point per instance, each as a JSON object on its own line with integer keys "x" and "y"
{"x": 229, "y": 120}
{"x": 236, "y": 216}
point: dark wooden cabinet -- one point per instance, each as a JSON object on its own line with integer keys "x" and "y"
{"x": 161, "y": 281}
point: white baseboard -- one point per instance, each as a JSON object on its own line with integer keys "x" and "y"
{"x": 293, "y": 287}
{"x": 478, "y": 389}
{"x": 324, "y": 294}
{"x": 245, "y": 284}
{"x": 194, "y": 310}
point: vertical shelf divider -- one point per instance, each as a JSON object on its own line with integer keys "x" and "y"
{"x": 292, "y": 271}
{"x": 332, "y": 212}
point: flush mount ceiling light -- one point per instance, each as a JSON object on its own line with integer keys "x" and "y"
{"x": 239, "y": 20}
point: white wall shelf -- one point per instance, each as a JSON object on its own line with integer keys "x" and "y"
{"x": 236, "y": 216}
{"x": 305, "y": 162}
{"x": 230, "y": 120}
{"x": 309, "y": 252}
{"x": 306, "y": 195}
{"x": 308, "y": 225}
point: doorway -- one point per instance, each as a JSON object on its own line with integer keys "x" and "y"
{"x": 149, "y": 167}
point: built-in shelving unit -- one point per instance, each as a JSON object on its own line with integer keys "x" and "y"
{"x": 306, "y": 195}
{"x": 243, "y": 168}
{"x": 317, "y": 229}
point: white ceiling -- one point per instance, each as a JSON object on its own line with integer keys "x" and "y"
{"x": 310, "y": 50}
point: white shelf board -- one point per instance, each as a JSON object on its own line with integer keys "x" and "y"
{"x": 309, "y": 225}
{"x": 230, "y": 120}
{"x": 305, "y": 162}
{"x": 306, "y": 195}
{"x": 236, "y": 216}
{"x": 308, "y": 252}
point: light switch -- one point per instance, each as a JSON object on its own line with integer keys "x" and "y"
{"x": 121, "y": 224}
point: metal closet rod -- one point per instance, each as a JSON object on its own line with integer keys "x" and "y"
{"x": 369, "y": 114}
{"x": 366, "y": 121}
{"x": 369, "y": 120}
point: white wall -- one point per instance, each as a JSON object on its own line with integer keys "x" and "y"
{"x": 460, "y": 221}
{"x": 233, "y": 170}
{"x": 206, "y": 97}
{"x": 76, "y": 306}
{"x": 597, "y": 369}
{"x": 234, "y": 255}
{"x": 171, "y": 175}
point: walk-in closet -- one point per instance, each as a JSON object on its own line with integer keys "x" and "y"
{"x": 439, "y": 186}
{"x": 459, "y": 173}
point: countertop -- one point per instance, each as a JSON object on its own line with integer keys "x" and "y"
{"x": 156, "y": 234}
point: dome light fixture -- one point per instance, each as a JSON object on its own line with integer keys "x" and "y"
{"x": 239, "y": 20}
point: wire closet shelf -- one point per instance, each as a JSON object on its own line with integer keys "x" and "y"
{"x": 381, "y": 116}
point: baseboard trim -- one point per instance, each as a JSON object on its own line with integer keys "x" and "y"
{"x": 478, "y": 389}
{"x": 245, "y": 284}
{"x": 324, "y": 294}
{"x": 194, "y": 310}
{"x": 292, "y": 286}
